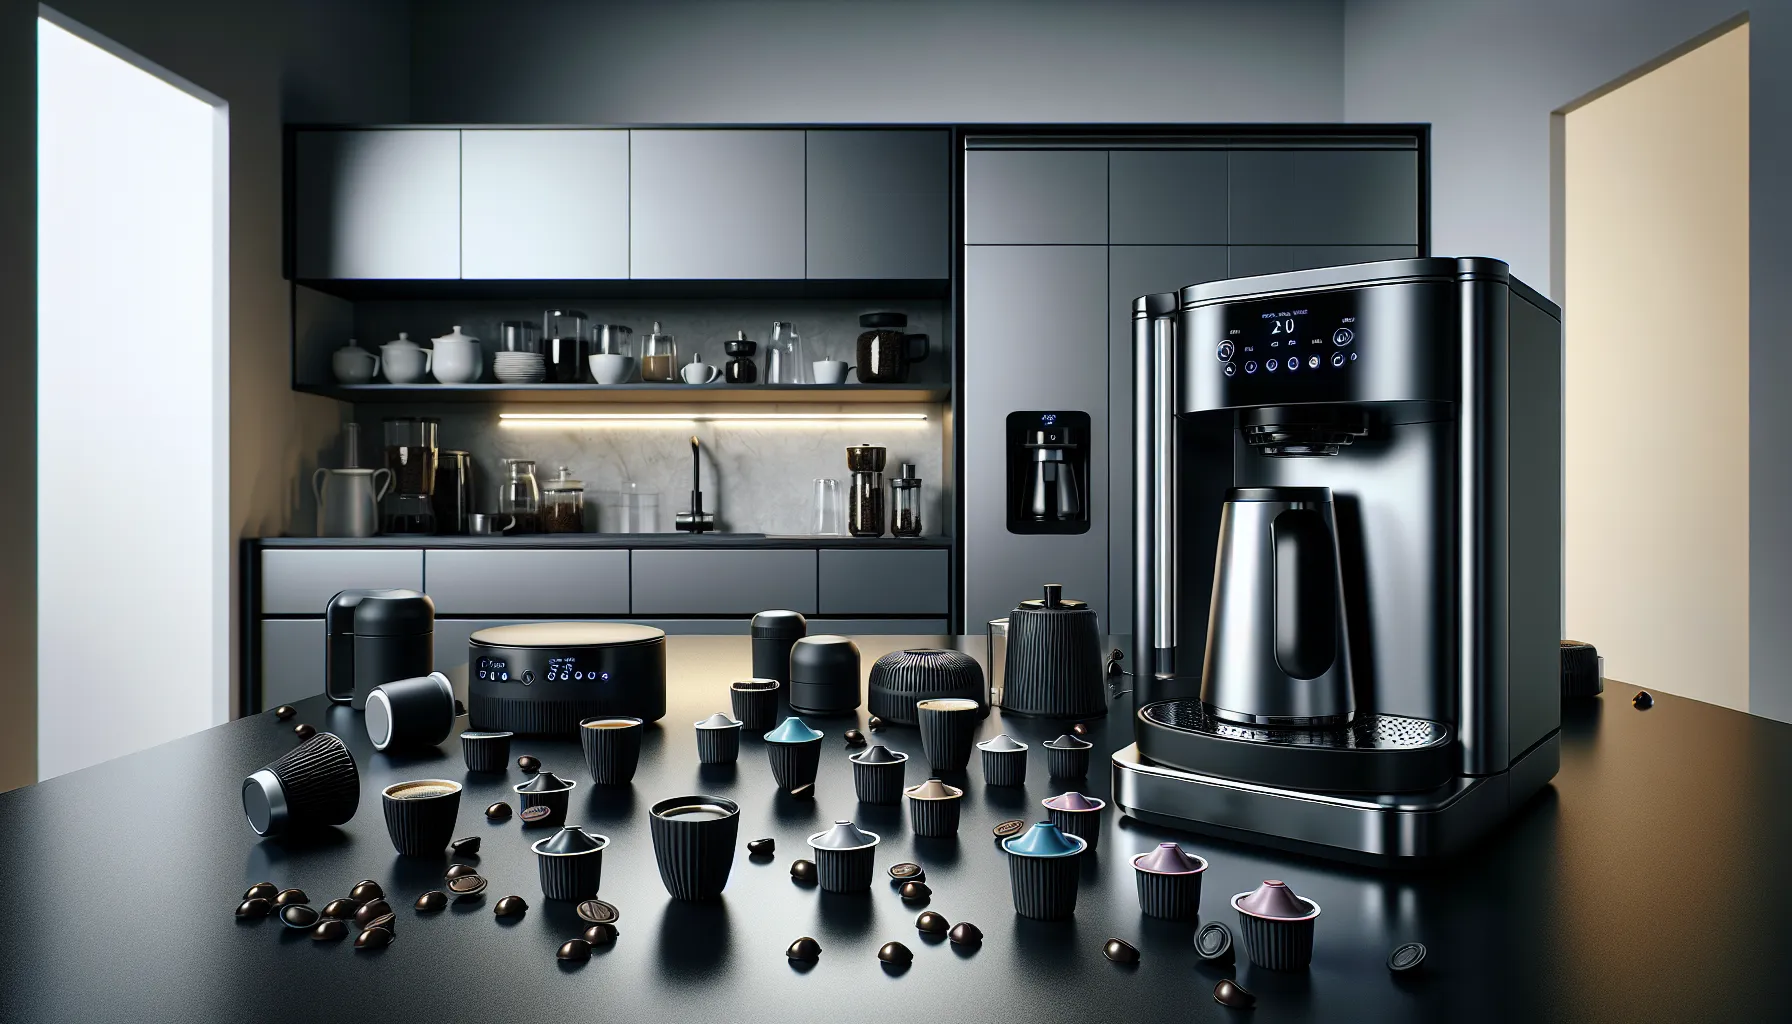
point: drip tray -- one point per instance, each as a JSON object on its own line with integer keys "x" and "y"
{"x": 1374, "y": 754}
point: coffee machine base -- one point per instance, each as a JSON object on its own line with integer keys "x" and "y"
{"x": 1391, "y": 830}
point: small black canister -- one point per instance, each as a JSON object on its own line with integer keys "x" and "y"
{"x": 824, "y": 675}
{"x": 773, "y": 633}
{"x": 394, "y": 639}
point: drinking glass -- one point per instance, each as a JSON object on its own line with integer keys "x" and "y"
{"x": 998, "y": 659}
{"x": 827, "y": 507}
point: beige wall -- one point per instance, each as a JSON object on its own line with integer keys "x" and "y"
{"x": 1656, "y": 214}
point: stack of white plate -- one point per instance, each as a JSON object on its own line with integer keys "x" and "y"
{"x": 520, "y": 367}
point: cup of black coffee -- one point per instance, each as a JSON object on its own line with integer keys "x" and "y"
{"x": 948, "y": 731}
{"x": 406, "y": 714}
{"x": 693, "y": 842}
{"x": 612, "y": 748}
{"x": 420, "y": 815}
{"x": 755, "y": 703}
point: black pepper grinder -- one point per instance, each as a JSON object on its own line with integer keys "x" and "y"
{"x": 740, "y": 369}
{"x": 865, "y": 514}
{"x": 905, "y": 502}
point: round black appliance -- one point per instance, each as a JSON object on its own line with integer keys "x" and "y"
{"x": 542, "y": 678}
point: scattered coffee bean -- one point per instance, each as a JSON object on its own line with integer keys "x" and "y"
{"x": 805, "y": 949}
{"x": 298, "y": 915}
{"x": 600, "y": 935}
{"x": 386, "y": 921}
{"x": 762, "y": 847}
{"x": 1231, "y": 993}
{"x": 895, "y": 953}
{"x": 1121, "y": 951}
{"x": 371, "y": 911}
{"x": 1642, "y": 701}
{"x": 854, "y": 738}
{"x": 499, "y": 811}
{"x": 1213, "y": 943}
{"x": 366, "y": 891}
{"x": 803, "y": 870}
{"x": 286, "y": 896}
{"x": 574, "y": 949}
{"x": 284, "y": 711}
{"x": 432, "y": 901}
{"x": 964, "y": 933}
{"x": 341, "y": 909}
{"x": 874, "y": 723}
{"x": 304, "y": 730}
{"x": 464, "y": 847}
{"x": 529, "y": 763}
{"x": 261, "y": 891}
{"x": 459, "y": 871}
{"x": 1406, "y": 957}
{"x": 599, "y": 912}
{"x": 1080, "y": 729}
{"x": 915, "y": 892}
{"x": 330, "y": 929}
{"x": 511, "y": 906}
{"x": 374, "y": 938}
{"x": 906, "y": 870}
{"x": 260, "y": 906}
{"x": 467, "y": 885}
{"x": 1008, "y": 829}
{"x": 536, "y": 813}
{"x": 932, "y": 923}
{"x": 460, "y": 710}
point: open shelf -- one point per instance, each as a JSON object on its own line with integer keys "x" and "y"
{"x": 888, "y": 394}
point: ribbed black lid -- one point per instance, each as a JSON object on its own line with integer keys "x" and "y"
{"x": 875, "y": 320}
{"x": 395, "y": 613}
{"x": 780, "y": 624}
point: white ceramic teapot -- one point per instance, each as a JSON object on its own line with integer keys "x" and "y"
{"x": 353, "y": 364}
{"x": 458, "y": 358}
{"x": 404, "y": 361}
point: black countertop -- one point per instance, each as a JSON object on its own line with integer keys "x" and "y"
{"x": 1646, "y": 884}
{"x": 609, "y": 540}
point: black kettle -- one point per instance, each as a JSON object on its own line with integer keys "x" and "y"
{"x": 1054, "y": 662}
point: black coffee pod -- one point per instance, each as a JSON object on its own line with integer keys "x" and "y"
{"x": 464, "y": 847}
{"x": 286, "y": 896}
{"x": 284, "y": 711}
{"x": 304, "y": 730}
{"x": 511, "y": 906}
{"x": 1642, "y": 701}
{"x": 298, "y": 915}
{"x": 805, "y": 949}
{"x": 932, "y": 923}
{"x": 260, "y": 906}
{"x": 459, "y": 871}
{"x": 915, "y": 892}
{"x": 907, "y": 870}
{"x": 366, "y": 890}
{"x": 1406, "y": 957}
{"x": 803, "y": 871}
{"x": 261, "y": 891}
{"x": 570, "y": 863}
{"x": 600, "y": 934}
{"x": 431, "y": 901}
{"x": 499, "y": 811}
{"x": 598, "y": 912}
{"x": 539, "y": 812}
{"x": 964, "y": 933}
{"x": 761, "y": 847}
{"x": 574, "y": 949}
{"x": 342, "y": 909}
{"x": 1231, "y": 993}
{"x": 1213, "y": 943}
{"x": 372, "y": 911}
{"x": 896, "y": 953}
{"x": 467, "y": 885}
{"x": 529, "y": 763}
{"x": 374, "y": 938}
{"x": 853, "y": 738}
{"x": 330, "y": 929}
{"x": 1008, "y": 829}
{"x": 1120, "y": 951}
{"x": 314, "y": 784}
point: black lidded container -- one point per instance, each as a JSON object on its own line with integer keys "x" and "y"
{"x": 901, "y": 678}
{"x": 395, "y": 634}
{"x": 1054, "y": 666}
{"x": 773, "y": 632}
{"x": 571, "y": 863}
{"x": 339, "y": 643}
{"x": 824, "y": 675}
{"x": 316, "y": 783}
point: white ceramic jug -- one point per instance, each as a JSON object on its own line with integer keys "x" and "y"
{"x": 458, "y": 358}
{"x": 404, "y": 361}
{"x": 353, "y": 364}
{"x": 348, "y": 500}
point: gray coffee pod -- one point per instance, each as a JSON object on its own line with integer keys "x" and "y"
{"x": 1004, "y": 761}
{"x": 845, "y": 856}
{"x": 718, "y": 739}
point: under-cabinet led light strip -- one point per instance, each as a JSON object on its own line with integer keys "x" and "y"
{"x": 576, "y": 419}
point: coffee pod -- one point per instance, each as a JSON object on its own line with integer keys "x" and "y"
{"x": 948, "y": 731}
{"x": 408, "y": 714}
{"x": 1077, "y": 815}
{"x": 571, "y": 862}
{"x": 795, "y": 752}
{"x": 755, "y": 703}
{"x": 693, "y": 843}
{"x": 1004, "y": 761}
{"x": 933, "y": 808}
{"x": 1276, "y": 926}
{"x": 420, "y": 815}
{"x": 1169, "y": 882}
{"x": 315, "y": 784}
{"x": 845, "y": 857}
{"x": 486, "y": 751}
{"x": 545, "y": 789}
{"x": 1213, "y": 943}
{"x": 718, "y": 739}
{"x": 612, "y": 748}
{"x": 877, "y": 774}
{"x": 1067, "y": 757}
{"x": 1043, "y": 870}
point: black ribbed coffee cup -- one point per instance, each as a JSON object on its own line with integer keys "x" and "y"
{"x": 948, "y": 732}
{"x": 421, "y": 824}
{"x": 1176, "y": 897}
{"x": 1044, "y": 888}
{"x": 1275, "y": 944}
{"x": 755, "y": 703}
{"x": 693, "y": 843}
{"x": 486, "y": 751}
{"x": 314, "y": 784}
{"x": 1005, "y": 767}
{"x": 795, "y": 765}
{"x": 846, "y": 870}
{"x": 1065, "y": 763}
{"x": 879, "y": 783}
{"x": 555, "y": 800}
{"x": 612, "y": 750}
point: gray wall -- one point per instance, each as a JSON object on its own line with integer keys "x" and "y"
{"x": 1487, "y": 77}
{"x": 684, "y": 61}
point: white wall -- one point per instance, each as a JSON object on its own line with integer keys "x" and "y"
{"x": 133, "y": 407}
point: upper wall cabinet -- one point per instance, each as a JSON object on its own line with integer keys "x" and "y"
{"x": 1035, "y": 197}
{"x": 716, "y": 205}
{"x": 376, "y": 204}
{"x": 879, "y": 204}
{"x": 1167, "y": 197}
{"x": 544, "y": 205}
{"x": 1325, "y": 197}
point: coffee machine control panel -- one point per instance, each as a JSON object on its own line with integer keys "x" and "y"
{"x": 1313, "y": 334}
{"x": 559, "y": 669}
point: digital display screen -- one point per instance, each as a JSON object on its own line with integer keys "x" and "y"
{"x": 1313, "y": 336}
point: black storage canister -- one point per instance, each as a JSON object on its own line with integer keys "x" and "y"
{"x": 773, "y": 633}
{"x": 339, "y": 643}
{"x": 394, "y": 639}
{"x": 824, "y": 675}
{"x": 1054, "y": 665}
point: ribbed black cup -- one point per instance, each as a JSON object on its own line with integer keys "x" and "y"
{"x": 755, "y": 703}
{"x": 795, "y": 765}
{"x": 879, "y": 783}
{"x": 612, "y": 754}
{"x": 1005, "y": 767}
{"x": 694, "y": 853}
{"x": 947, "y": 732}
{"x": 320, "y": 781}
{"x": 421, "y": 827}
{"x": 1176, "y": 897}
{"x": 1277, "y": 945}
{"x": 846, "y": 870}
{"x": 718, "y": 746}
{"x": 486, "y": 751}
{"x": 573, "y": 876}
{"x": 1084, "y": 824}
{"x": 1067, "y": 764}
{"x": 1054, "y": 663}
{"x": 555, "y": 800}
{"x": 1044, "y": 888}
{"x": 934, "y": 818}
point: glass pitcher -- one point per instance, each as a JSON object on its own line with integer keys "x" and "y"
{"x": 785, "y": 362}
{"x": 659, "y": 357}
{"x": 520, "y": 496}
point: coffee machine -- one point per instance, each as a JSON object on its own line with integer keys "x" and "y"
{"x": 1349, "y": 557}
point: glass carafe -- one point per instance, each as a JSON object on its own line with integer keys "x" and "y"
{"x": 659, "y": 357}
{"x": 519, "y": 495}
{"x": 905, "y": 503}
{"x": 785, "y": 362}
{"x": 563, "y": 332}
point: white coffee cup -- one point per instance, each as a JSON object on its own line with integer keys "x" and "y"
{"x": 611, "y": 368}
{"x": 830, "y": 371}
{"x": 695, "y": 372}
{"x": 461, "y": 363}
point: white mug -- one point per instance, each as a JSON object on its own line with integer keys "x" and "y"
{"x": 353, "y": 364}
{"x": 611, "y": 368}
{"x": 830, "y": 371}
{"x": 695, "y": 372}
{"x": 405, "y": 364}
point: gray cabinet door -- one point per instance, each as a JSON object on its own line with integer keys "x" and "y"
{"x": 1167, "y": 197}
{"x": 544, "y": 205}
{"x": 879, "y": 204}
{"x": 1306, "y": 257}
{"x": 1035, "y": 197}
{"x": 721, "y": 582}
{"x": 300, "y": 581}
{"x": 292, "y": 660}
{"x": 1325, "y": 197}
{"x": 376, "y": 204}
{"x": 512, "y": 582}
{"x": 882, "y": 582}
{"x": 716, "y": 205}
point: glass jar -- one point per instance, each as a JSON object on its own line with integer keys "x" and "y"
{"x": 865, "y": 493}
{"x": 519, "y": 496}
{"x": 905, "y": 503}
{"x": 659, "y": 357}
{"x": 519, "y": 336}
{"x": 563, "y": 334}
{"x": 785, "y": 362}
{"x": 563, "y": 504}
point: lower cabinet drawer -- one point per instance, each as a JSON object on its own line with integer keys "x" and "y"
{"x": 300, "y": 581}
{"x": 722, "y": 582}
{"x": 540, "y": 582}
{"x": 292, "y": 660}
{"x": 883, "y": 582}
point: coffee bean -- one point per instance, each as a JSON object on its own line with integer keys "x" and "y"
{"x": 258, "y": 907}
{"x": 1406, "y": 957}
{"x": 762, "y": 847}
{"x": 854, "y": 738}
{"x": 964, "y": 933}
{"x": 366, "y": 890}
{"x": 574, "y": 949}
{"x": 386, "y": 921}
{"x": 467, "y": 885}
{"x": 285, "y": 896}
{"x": 372, "y": 910}
{"x": 261, "y": 891}
{"x": 804, "y": 949}
{"x": 598, "y": 912}
{"x": 341, "y": 909}
{"x": 932, "y": 923}
{"x": 1231, "y": 993}
{"x": 600, "y": 934}
{"x": 298, "y": 915}
{"x": 330, "y": 929}
{"x": 1642, "y": 701}
{"x": 803, "y": 871}
{"x": 874, "y": 723}
{"x": 915, "y": 892}
{"x": 284, "y": 711}
{"x": 464, "y": 847}
{"x": 459, "y": 870}
{"x": 907, "y": 870}
{"x": 499, "y": 811}
{"x": 1080, "y": 729}
{"x": 374, "y": 938}
{"x": 304, "y": 730}
{"x": 529, "y": 764}
{"x": 431, "y": 901}
{"x": 536, "y": 813}
{"x": 895, "y": 953}
{"x": 1121, "y": 951}
{"x": 460, "y": 710}
{"x": 1008, "y": 829}
{"x": 511, "y": 906}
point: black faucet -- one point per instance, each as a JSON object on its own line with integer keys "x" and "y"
{"x": 696, "y": 520}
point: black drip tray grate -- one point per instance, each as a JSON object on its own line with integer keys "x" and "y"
{"x": 1367, "y": 733}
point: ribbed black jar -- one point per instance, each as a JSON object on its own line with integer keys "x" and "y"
{"x": 901, "y": 678}
{"x": 315, "y": 783}
{"x": 1054, "y": 661}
